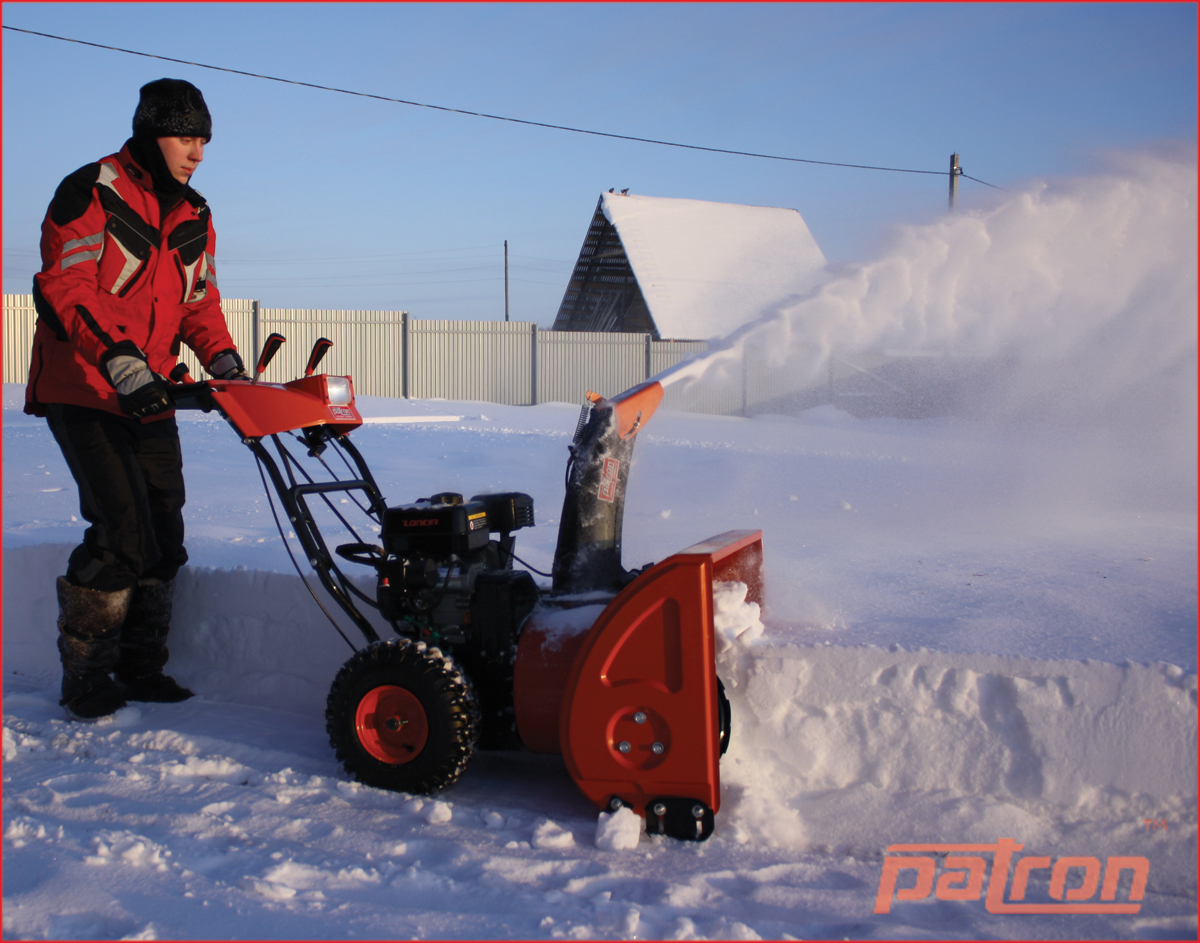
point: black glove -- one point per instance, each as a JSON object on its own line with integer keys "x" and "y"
{"x": 227, "y": 365}
{"x": 140, "y": 391}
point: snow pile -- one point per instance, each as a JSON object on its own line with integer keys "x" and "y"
{"x": 820, "y": 732}
{"x": 619, "y": 831}
{"x": 233, "y": 811}
{"x": 825, "y": 738}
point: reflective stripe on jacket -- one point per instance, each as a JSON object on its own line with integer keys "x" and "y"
{"x": 113, "y": 270}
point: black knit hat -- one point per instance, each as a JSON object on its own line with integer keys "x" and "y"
{"x": 172, "y": 108}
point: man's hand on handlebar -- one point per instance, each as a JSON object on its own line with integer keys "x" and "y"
{"x": 191, "y": 395}
{"x": 227, "y": 365}
{"x": 140, "y": 391}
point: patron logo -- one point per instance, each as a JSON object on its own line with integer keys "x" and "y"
{"x": 1073, "y": 880}
{"x": 608, "y": 479}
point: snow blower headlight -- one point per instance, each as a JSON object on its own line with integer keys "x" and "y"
{"x": 337, "y": 389}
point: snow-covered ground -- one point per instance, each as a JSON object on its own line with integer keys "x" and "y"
{"x": 954, "y": 650}
{"x": 974, "y": 630}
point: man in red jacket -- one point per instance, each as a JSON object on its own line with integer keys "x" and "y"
{"x": 128, "y": 275}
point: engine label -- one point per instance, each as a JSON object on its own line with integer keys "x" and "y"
{"x": 608, "y": 480}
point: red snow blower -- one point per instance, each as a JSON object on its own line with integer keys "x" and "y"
{"x": 613, "y": 669}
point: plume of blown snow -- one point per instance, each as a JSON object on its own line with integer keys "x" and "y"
{"x": 1068, "y": 302}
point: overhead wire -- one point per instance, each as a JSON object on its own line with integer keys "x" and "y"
{"x": 977, "y": 180}
{"x": 402, "y": 257}
{"x": 480, "y": 114}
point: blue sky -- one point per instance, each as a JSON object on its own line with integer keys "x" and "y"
{"x": 329, "y": 201}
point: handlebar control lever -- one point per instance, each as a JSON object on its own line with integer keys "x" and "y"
{"x": 320, "y": 348}
{"x": 270, "y": 349}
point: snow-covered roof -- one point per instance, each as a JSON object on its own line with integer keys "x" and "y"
{"x": 706, "y": 268}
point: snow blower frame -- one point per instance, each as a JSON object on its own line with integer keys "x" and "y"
{"x": 483, "y": 657}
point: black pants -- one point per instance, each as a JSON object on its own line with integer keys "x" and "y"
{"x": 130, "y": 479}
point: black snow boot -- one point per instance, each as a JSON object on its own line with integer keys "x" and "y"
{"x": 89, "y": 629}
{"x": 143, "y": 650}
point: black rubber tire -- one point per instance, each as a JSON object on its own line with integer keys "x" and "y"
{"x": 724, "y": 717}
{"x": 444, "y": 693}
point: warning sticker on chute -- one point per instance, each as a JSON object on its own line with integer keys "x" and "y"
{"x": 608, "y": 479}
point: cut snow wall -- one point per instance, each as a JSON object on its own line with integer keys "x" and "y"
{"x": 825, "y": 739}
{"x": 812, "y": 725}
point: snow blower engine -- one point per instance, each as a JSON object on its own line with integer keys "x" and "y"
{"x": 614, "y": 669}
{"x": 441, "y": 574}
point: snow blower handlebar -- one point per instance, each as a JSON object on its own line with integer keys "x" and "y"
{"x": 262, "y": 409}
{"x": 322, "y": 409}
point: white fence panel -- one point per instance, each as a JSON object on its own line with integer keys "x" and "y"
{"x": 239, "y": 318}
{"x": 20, "y": 319}
{"x": 723, "y": 390}
{"x": 367, "y": 345}
{"x": 471, "y": 360}
{"x": 515, "y": 363}
{"x": 572, "y": 362}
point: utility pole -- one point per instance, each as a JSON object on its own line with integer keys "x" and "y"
{"x": 505, "y": 279}
{"x": 955, "y": 172}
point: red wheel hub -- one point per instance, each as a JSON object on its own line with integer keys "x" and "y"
{"x": 391, "y": 724}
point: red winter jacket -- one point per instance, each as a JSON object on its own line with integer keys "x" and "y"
{"x": 112, "y": 270}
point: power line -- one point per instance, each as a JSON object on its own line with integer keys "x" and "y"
{"x": 344, "y": 263}
{"x": 480, "y": 114}
{"x": 360, "y": 281}
{"x": 977, "y": 180}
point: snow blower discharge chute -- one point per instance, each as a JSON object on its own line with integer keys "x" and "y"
{"x": 613, "y": 669}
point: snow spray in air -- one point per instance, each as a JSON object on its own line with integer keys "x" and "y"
{"x": 1070, "y": 302}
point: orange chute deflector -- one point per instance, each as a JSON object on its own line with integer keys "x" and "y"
{"x": 635, "y": 697}
{"x": 634, "y": 407}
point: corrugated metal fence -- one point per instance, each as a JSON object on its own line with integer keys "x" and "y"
{"x": 366, "y": 345}
{"x": 487, "y": 360}
{"x": 516, "y": 363}
{"x": 19, "y": 321}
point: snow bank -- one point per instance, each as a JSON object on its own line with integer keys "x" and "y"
{"x": 245, "y": 636}
{"x": 822, "y": 734}
{"x": 818, "y": 730}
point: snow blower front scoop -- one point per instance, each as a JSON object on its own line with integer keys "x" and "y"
{"x": 613, "y": 669}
